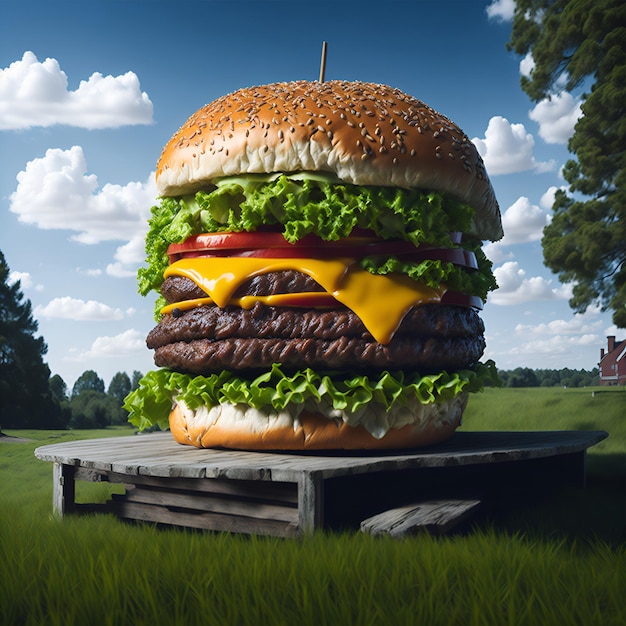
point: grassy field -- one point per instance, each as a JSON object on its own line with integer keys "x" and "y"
{"x": 560, "y": 561}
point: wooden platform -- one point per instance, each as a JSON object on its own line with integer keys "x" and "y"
{"x": 287, "y": 494}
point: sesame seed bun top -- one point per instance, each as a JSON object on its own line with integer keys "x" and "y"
{"x": 364, "y": 133}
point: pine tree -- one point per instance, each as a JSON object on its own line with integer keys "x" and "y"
{"x": 119, "y": 388}
{"x": 25, "y": 398}
{"x": 87, "y": 381}
{"x": 573, "y": 41}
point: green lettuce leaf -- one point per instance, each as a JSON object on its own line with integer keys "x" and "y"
{"x": 152, "y": 401}
{"x": 301, "y": 204}
{"x": 435, "y": 273}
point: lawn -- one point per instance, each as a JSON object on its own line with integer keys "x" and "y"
{"x": 560, "y": 561}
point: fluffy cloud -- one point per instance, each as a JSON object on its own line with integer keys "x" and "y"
{"x": 581, "y": 325}
{"x": 36, "y": 94}
{"x": 508, "y": 148}
{"x": 516, "y": 288}
{"x": 547, "y": 199}
{"x": 501, "y": 10}
{"x": 553, "y": 350}
{"x": 527, "y": 65}
{"x": 556, "y": 115}
{"x": 128, "y": 257}
{"x": 26, "y": 280}
{"x": 56, "y": 192}
{"x": 128, "y": 343}
{"x": 558, "y": 337}
{"x": 523, "y": 222}
{"x": 78, "y": 310}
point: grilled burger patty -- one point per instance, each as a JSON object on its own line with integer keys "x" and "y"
{"x": 209, "y": 339}
{"x": 179, "y": 288}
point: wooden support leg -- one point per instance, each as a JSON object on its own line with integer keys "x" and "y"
{"x": 63, "y": 489}
{"x": 310, "y": 502}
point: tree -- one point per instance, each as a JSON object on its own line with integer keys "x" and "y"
{"x": 25, "y": 398}
{"x": 87, "y": 381}
{"x": 58, "y": 388}
{"x": 523, "y": 377}
{"x": 119, "y": 388}
{"x": 575, "y": 43}
{"x": 91, "y": 409}
{"x": 134, "y": 383}
{"x": 58, "y": 391}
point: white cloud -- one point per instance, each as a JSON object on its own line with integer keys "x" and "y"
{"x": 581, "y": 325}
{"x": 547, "y": 199}
{"x": 128, "y": 257}
{"x": 508, "y": 148}
{"x": 523, "y": 222}
{"x": 527, "y": 65}
{"x": 559, "y": 337}
{"x": 553, "y": 349}
{"x": 556, "y": 115}
{"x": 89, "y": 272}
{"x": 501, "y": 10}
{"x": 26, "y": 280}
{"x": 33, "y": 93}
{"x": 128, "y": 343}
{"x": 55, "y": 192}
{"x": 78, "y": 310}
{"x": 496, "y": 252}
{"x": 515, "y": 288}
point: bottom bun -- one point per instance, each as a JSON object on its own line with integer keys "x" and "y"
{"x": 233, "y": 428}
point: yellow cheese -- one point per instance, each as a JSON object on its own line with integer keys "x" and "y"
{"x": 380, "y": 301}
{"x": 303, "y": 298}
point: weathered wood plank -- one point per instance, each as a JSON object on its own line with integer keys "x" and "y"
{"x": 277, "y": 492}
{"x": 90, "y": 475}
{"x": 203, "y": 502}
{"x": 436, "y": 517}
{"x": 205, "y": 520}
{"x": 158, "y": 454}
{"x": 63, "y": 489}
{"x": 310, "y": 501}
{"x": 307, "y": 480}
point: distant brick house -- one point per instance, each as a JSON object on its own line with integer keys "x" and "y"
{"x": 613, "y": 363}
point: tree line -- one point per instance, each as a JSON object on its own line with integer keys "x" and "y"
{"x": 89, "y": 405}
{"x": 526, "y": 377}
{"x": 29, "y": 396}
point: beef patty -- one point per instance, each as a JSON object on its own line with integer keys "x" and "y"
{"x": 209, "y": 339}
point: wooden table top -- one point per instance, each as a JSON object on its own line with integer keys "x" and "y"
{"x": 157, "y": 454}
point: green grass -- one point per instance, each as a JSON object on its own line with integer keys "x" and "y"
{"x": 556, "y": 562}
{"x": 552, "y": 408}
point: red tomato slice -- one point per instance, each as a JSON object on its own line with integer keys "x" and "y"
{"x": 268, "y": 244}
{"x": 462, "y": 299}
{"x": 213, "y": 242}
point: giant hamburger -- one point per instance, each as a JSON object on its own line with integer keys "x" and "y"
{"x": 317, "y": 251}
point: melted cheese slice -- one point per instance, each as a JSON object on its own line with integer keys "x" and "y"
{"x": 380, "y": 301}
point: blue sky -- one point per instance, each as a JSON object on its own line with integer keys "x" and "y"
{"x": 91, "y": 91}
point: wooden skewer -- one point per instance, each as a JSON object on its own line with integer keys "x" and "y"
{"x": 323, "y": 62}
